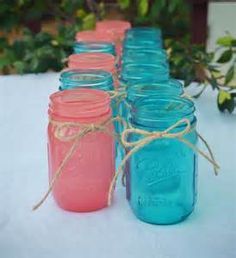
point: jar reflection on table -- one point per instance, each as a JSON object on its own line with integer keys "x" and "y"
{"x": 161, "y": 177}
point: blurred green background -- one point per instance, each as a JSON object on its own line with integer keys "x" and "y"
{"x": 37, "y": 36}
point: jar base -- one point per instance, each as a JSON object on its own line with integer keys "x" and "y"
{"x": 80, "y": 209}
{"x": 162, "y": 222}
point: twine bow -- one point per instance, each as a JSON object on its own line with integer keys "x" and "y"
{"x": 61, "y": 129}
{"x": 151, "y": 136}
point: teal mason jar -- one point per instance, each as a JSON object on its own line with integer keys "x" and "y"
{"x": 161, "y": 176}
{"x": 94, "y": 47}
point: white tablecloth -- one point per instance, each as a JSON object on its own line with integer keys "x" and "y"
{"x": 210, "y": 232}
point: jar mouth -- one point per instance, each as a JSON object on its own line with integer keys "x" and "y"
{"x": 160, "y": 112}
{"x": 91, "y": 61}
{"x": 79, "y": 103}
{"x": 74, "y": 78}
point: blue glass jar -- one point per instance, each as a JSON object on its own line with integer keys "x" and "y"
{"x": 161, "y": 177}
{"x": 94, "y": 47}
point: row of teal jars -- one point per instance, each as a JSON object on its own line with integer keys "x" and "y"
{"x": 161, "y": 176}
{"x": 94, "y": 47}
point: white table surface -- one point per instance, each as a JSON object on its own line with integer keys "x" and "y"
{"x": 210, "y": 232}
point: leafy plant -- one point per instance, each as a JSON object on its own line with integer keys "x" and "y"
{"x": 39, "y": 52}
{"x": 192, "y": 63}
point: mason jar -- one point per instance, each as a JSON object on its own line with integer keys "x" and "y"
{"x": 83, "y": 184}
{"x": 161, "y": 176}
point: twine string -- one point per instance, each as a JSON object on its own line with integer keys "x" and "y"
{"x": 148, "y": 137}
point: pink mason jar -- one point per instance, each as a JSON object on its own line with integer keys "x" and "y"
{"x": 114, "y": 28}
{"x": 94, "y": 61}
{"x": 80, "y": 136}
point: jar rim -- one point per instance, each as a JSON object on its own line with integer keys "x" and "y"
{"x": 79, "y": 103}
{"x": 161, "y": 111}
{"x": 86, "y": 78}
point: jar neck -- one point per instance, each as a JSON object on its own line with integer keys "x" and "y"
{"x": 93, "y": 79}
{"x": 157, "y": 113}
{"x": 80, "y": 105}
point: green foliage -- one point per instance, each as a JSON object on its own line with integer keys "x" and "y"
{"x": 37, "y": 53}
{"x": 192, "y": 63}
{"x": 40, "y": 52}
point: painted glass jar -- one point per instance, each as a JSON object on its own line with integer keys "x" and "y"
{"x": 161, "y": 176}
{"x": 85, "y": 178}
{"x": 94, "y": 47}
